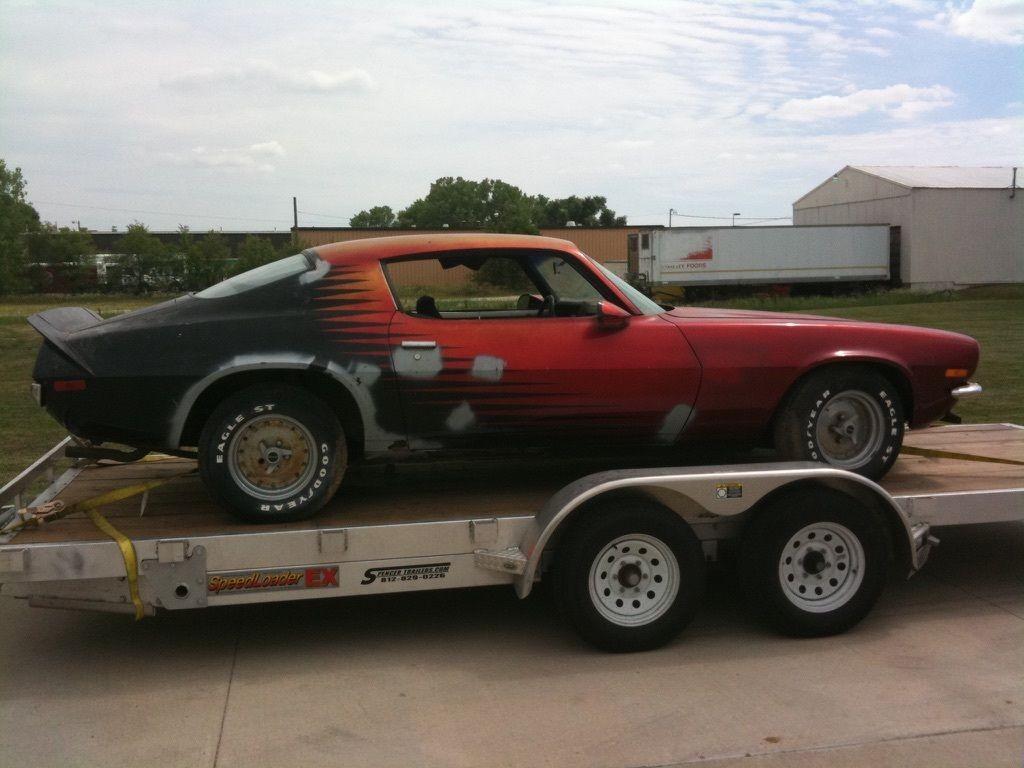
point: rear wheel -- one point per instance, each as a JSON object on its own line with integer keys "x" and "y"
{"x": 272, "y": 453}
{"x": 849, "y": 418}
{"x": 629, "y": 576}
{"x": 814, "y": 562}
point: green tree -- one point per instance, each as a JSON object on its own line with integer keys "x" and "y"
{"x": 378, "y": 217}
{"x": 17, "y": 219}
{"x": 68, "y": 252}
{"x": 254, "y": 252}
{"x": 491, "y": 204}
{"x": 142, "y": 258}
{"x": 591, "y": 211}
{"x": 204, "y": 261}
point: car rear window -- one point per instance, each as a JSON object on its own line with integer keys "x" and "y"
{"x": 254, "y": 278}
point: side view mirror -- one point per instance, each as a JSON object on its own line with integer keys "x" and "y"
{"x": 611, "y": 315}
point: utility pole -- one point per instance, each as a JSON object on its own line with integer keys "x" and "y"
{"x": 295, "y": 213}
{"x": 670, "y": 212}
{"x": 734, "y": 218}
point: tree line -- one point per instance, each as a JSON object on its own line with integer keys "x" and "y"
{"x": 35, "y": 254}
{"x": 490, "y": 205}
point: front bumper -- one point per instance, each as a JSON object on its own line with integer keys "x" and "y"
{"x": 968, "y": 389}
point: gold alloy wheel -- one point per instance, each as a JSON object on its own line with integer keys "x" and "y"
{"x": 272, "y": 457}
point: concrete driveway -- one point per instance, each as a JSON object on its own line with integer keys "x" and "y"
{"x": 935, "y": 676}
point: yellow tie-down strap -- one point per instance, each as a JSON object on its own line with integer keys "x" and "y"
{"x": 131, "y": 561}
{"x": 36, "y": 516}
{"x": 932, "y": 453}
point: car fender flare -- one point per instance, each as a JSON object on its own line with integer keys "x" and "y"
{"x": 706, "y": 494}
{"x": 356, "y": 380}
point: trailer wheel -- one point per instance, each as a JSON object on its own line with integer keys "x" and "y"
{"x": 272, "y": 453}
{"x": 813, "y": 563}
{"x": 851, "y": 418}
{"x": 629, "y": 575}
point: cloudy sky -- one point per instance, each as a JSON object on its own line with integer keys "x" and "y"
{"x": 213, "y": 114}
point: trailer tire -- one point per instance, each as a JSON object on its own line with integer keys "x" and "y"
{"x": 813, "y": 562}
{"x": 849, "y": 417}
{"x": 269, "y": 428}
{"x": 629, "y": 575}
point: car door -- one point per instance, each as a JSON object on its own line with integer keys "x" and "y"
{"x": 523, "y": 375}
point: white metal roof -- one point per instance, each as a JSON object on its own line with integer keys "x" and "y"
{"x": 944, "y": 176}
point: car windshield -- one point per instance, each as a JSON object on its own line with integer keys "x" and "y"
{"x": 254, "y": 278}
{"x": 641, "y": 302}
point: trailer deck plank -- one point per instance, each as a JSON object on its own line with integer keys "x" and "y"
{"x": 422, "y": 493}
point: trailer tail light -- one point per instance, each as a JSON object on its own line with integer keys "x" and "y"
{"x": 69, "y": 385}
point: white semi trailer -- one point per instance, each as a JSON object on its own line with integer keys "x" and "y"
{"x": 693, "y": 256}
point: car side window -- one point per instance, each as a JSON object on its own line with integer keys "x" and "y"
{"x": 484, "y": 284}
{"x": 462, "y": 285}
{"x": 564, "y": 278}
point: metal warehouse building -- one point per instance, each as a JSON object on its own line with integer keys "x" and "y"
{"x": 958, "y": 226}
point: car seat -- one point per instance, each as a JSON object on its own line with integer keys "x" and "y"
{"x": 427, "y": 307}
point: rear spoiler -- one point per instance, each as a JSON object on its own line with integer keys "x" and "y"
{"x": 57, "y": 324}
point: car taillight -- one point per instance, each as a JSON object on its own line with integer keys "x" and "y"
{"x": 69, "y": 385}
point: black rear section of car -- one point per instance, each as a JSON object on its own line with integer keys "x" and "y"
{"x": 124, "y": 379}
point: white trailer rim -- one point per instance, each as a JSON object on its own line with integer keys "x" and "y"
{"x": 634, "y": 580}
{"x": 821, "y": 567}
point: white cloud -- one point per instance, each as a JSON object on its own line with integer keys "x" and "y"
{"x": 255, "y": 157}
{"x": 903, "y": 102}
{"x": 880, "y": 32}
{"x": 990, "y": 21}
{"x": 265, "y": 75}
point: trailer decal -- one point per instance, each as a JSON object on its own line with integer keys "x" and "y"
{"x": 274, "y": 579}
{"x": 418, "y": 572}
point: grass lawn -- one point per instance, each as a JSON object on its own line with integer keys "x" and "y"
{"x": 994, "y": 316}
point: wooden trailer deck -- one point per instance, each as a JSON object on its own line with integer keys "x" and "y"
{"x": 426, "y": 492}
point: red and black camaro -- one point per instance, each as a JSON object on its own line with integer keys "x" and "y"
{"x": 283, "y": 375}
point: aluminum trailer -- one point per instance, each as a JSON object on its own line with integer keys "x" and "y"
{"x": 626, "y": 549}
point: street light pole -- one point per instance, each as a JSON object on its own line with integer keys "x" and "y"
{"x": 734, "y": 218}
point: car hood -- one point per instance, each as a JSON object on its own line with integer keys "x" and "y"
{"x": 714, "y": 313}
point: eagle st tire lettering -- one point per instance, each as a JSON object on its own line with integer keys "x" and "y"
{"x": 797, "y": 424}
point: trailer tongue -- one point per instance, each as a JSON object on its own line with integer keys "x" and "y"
{"x": 626, "y": 548}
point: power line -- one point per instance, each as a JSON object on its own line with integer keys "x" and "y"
{"x": 161, "y": 213}
{"x": 730, "y": 218}
{"x": 324, "y": 215}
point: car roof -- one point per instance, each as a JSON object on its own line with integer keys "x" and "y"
{"x": 376, "y": 248}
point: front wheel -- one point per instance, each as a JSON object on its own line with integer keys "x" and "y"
{"x": 629, "y": 575}
{"x": 272, "y": 453}
{"x": 851, "y": 418}
{"x": 813, "y": 563}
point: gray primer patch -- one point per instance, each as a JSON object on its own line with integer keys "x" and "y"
{"x": 366, "y": 373}
{"x": 417, "y": 363}
{"x": 488, "y": 368}
{"x": 461, "y": 418}
{"x": 674, "y": 422}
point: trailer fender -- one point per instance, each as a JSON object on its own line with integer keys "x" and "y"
{"x": 702, "y": 494}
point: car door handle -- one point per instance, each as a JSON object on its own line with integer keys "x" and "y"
{"x": 419, "y": 344}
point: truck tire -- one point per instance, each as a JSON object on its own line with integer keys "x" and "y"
{"x": 813, "y": 562}
{"x": 851, "y": 418}
{"x": 272, "y": 453}
{"x": 629, "y": 575}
